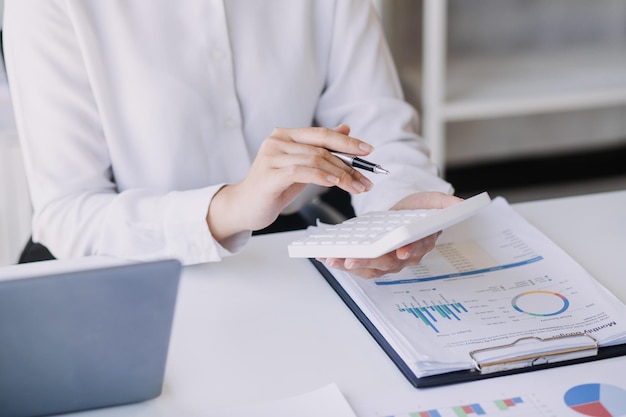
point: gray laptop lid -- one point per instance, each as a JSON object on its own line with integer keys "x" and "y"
{"x": 85, "y": 339}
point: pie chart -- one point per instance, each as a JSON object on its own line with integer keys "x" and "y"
{"x": 597, "y": 400}
{"x": 540, "y": 303}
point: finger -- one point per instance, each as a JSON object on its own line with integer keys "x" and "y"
{"x": 406, "y": 255}
{"x": 325, "y": 138}
{"x": 367, "y": 273}
{"x": 427, "y": 200}
{"x": 276, "y": 146}
{"x": 291, "y": 174}
{"x": 343, "y": 129}
{"x": 338, "y": 263}
{"x": 321, "y": 168}
{"x": 388, "y": 263}
{"x": 417, "y": 249}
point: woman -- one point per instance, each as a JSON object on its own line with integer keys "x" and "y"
{"x": 153, "y": 128}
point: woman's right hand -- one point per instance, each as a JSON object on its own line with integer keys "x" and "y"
{"x": 287, "y": 161}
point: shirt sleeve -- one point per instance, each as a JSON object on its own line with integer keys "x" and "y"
{"x": 364, "y": 92}
{"x": 78, "y": 209}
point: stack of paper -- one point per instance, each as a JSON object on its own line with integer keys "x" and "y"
{"x": 496, "y": 292}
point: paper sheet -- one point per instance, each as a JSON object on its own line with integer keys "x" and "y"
{"x": 491, "y": 280}
{"x": 326, "y": 401}
{"x": 596, "y": 389}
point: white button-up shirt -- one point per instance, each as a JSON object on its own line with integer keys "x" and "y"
{"x": 133, "y": 113}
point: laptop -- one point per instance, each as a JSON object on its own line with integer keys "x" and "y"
{"x": 84, "y": 338}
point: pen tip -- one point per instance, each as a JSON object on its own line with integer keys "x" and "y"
{"x": 379, "y": 170}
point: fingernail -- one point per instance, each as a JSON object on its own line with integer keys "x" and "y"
{"x": 351, "y": 264}
{"x": 366, "y": 182}
{"x": 366, "y": 147}
{"x": 358, "y": 186}
{"x": 332, "y": 179}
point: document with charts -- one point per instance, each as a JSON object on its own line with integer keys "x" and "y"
{"x": 495, "y": 295}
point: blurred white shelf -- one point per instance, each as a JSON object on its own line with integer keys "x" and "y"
{"x": 520, "y": 82}
{"x": 589, "y": 76}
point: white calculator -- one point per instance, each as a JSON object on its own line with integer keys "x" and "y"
{"x": 373, "y": 234}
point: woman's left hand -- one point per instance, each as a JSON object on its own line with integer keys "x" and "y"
{"x": 410, "y": 254}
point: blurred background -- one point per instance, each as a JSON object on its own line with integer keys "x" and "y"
{"x": 522, "y": 98}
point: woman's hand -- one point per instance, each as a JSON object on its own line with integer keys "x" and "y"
{"x": 287, "y": 161}
{"x": 410, "y": 254}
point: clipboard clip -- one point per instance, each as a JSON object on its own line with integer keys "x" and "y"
{"x": 531, "y": 351}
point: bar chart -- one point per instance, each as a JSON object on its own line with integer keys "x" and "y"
{"x": 509, "y": 407}
{"x": 431, "y": 314}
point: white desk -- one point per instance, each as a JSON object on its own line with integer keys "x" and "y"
{"x": 261, "y": 326}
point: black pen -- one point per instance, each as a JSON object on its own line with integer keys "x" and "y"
{"x": 357, "y": 162}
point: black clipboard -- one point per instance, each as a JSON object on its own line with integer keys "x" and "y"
{"x": 595, "y": 352}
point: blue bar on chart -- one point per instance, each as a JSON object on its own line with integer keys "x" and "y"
{"x": 509, "y": 402}
{"x": 429, "y": 315}
{"x": 466, "y": 410}
{"x": 429, "y": 413}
